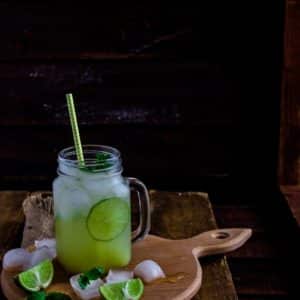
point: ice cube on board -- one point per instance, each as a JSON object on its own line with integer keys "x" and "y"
{"x": 49, "y": 243}
{"x": 148, "y": 270}
{"x": 16, "y": 258}
{"x": 38, "y": 256}
{"x": 91, "y": 291}
{"x": 117, "y": 275}
{"x": 45, "y": 242}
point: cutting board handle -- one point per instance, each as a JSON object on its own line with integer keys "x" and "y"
{"x": 218, "y": 241}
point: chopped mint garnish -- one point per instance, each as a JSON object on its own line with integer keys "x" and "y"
{"x": 41, "y": 295}
{"x": 83, "y": 281}
{"x": 57, "y": 296}
{"x": 93, "y": 274}
{"x": 101, "y": 163}
{"x": 102, "y": 156}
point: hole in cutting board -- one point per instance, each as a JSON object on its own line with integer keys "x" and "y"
{"x": 220, "y": 235}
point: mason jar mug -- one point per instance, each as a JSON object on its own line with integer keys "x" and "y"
{"x": 92, "y": 209}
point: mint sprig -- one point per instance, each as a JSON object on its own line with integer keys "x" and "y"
{"x": 42, "y": 295}
{"x": 102, "y": 163}
{"x": 58, "y": 296}
{"x": 93, "y": 274}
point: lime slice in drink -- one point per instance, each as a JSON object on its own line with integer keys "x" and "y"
{"x": 113, "y": 291}
{"x": 108, "y": 218}
{"x": 40, "y": 276}
{"x": 134, "y": 289}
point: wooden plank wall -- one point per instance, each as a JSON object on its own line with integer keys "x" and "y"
{"x": 289, "y": 171}
{"x": 189, "y": 95}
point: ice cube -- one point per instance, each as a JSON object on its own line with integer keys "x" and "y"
{"x": 16, "y": 258}
{"x": 105, "y": 187}
{"x": 69, "y": 170}
{"x": 50, "y": 243}
{"x": 148, "y": 270}
{"x": 97, "y": 188}
{"x": 117, "y": 275}
{"x": 91, "y": 291}
{"x": 70, "y": 198}
{"x": 121, "y": 190}
{"x": 38, "y": 256}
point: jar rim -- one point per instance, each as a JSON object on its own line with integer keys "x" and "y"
{"x": 67, "y": 157}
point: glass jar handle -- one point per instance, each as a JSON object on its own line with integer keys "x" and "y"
{"x": 144, "y": 209}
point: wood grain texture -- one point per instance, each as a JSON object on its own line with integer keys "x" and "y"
{"x": 165, "y": 252}
{"x": 263, "y": 268}
{"x": 292, "y": 195}
{"x": 289, "y": 172}
{"x": 289, "y": 161}
{"x": 148, "y": 27}
{"x": 292, "y": 31}
{"x": 172, "y": 219}
{"x": 259, "y": 269}
{"x": 193, "y": 210}
{"x": 146, "y": 64}
{"x": 135, "y": 106}
{"x": 152, "y": 93}
{"x": 263, "y": 279}
{"x": 163, "y": 165}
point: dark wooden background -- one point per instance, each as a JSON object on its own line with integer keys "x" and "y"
{"x": 189, "y": 95}
{"x": 289, "y": 170}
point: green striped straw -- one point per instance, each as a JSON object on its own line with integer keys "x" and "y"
{"x": 75, "y": 129}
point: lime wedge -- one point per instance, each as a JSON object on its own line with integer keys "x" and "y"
{"x": 113, "y": 291}
{"x": 40, "y": 276}
{"x": 134, "y": 289}
{"x": 108, "y": 218}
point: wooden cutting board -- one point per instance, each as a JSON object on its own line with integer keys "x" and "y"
{"x": 178, "y": 258}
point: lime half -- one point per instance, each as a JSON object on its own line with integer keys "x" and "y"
{"x": 108, "y": 218}
{"x": 113, "y": 291}
{"x": 134, "y": 289}
{"x": 40, "y": 276}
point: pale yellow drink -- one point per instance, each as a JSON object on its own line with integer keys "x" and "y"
{"x": 92, "y": 221}
{"x": 78, "y": 251}
{"x": 92, "y": 209}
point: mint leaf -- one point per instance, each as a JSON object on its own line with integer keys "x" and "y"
{"x": 57, "y": 296}
{"x": 101, "y": 163}
{"x": 37, "y": 296}
{"x": 102, "y": 156}
{"x": 83, "y": 281}
{"x": 41, "y": 295}
{"x": 93, "y": 274}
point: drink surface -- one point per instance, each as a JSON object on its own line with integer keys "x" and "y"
{"x": 92, "y": 220}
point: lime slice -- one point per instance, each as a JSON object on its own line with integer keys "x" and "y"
{"x": 134, "y": 289}
{"x": 108, "y": 218}
{"x": 40, "y": 276}
{"x": 113, "y": 291}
